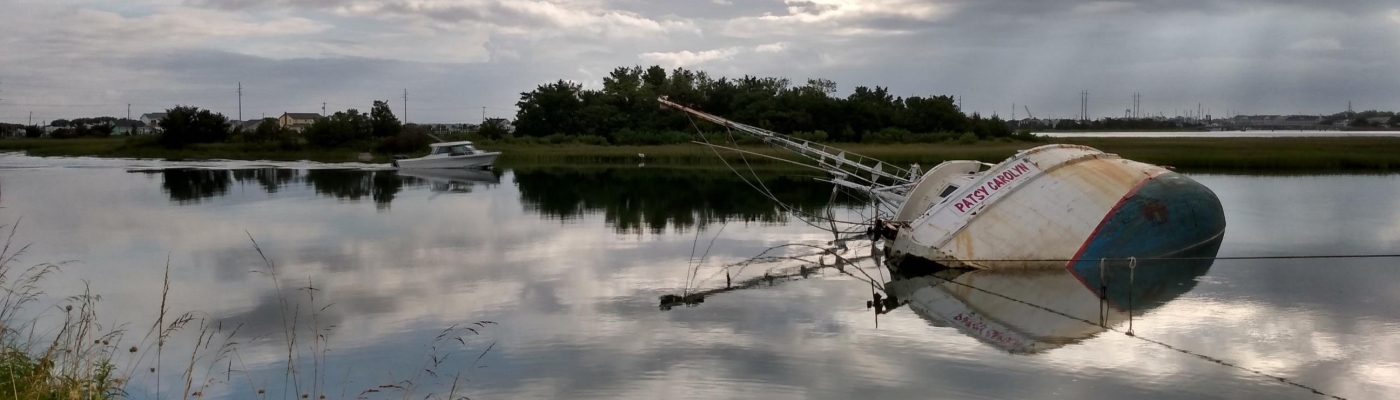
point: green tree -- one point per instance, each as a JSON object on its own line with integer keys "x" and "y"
{"x": 33, "y": 131}
{"x": 383, "y": 123}
{"x": 339, "y": 130}
{"x": 1394, "y": 121}
{"x": 268, "y": 131}
{"x": 549, "y": 109}
{"x": 412, "y": 138}
{"x": 494, "y": 129}
{"x": 101, "y": 130}
{"x": 186, "y": 125}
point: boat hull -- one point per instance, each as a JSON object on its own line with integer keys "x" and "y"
{"x": 1056, "y": 203}
{"x": 479, "y": 160}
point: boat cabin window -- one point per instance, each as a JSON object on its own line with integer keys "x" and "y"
{"x": 947, "y": 191}
{"x": 460, "y": 149}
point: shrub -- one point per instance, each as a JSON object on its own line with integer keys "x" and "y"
{"x": 818, "y": 136}
{"x": 268, "y": 131}
{"x": 633, "y": 138}
{"x": 967, "y": 138}
{"x": 494, "y": 129}
{"x": 410, "y": 139}
{"x": 339, "y": 130}
{"x": 889, "y": 135}
{"x": 1025, "y": 135}
{"x": 186, "y": 125}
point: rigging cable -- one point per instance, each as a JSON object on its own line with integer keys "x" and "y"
{"x": 798, "y": 213}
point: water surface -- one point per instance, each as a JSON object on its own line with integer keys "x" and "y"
{"x": 1225, "y": 134}
{"x": 568, "y": 265}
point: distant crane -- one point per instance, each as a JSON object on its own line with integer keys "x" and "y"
{"x": 1028, "y": 112}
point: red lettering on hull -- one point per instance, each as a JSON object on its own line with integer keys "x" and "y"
{"x": 991, "y": 187}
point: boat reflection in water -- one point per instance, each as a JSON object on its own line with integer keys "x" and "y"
{"x": 1011, "y": 309}
{"x": 453, "y": 180}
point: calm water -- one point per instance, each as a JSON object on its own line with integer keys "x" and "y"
{"x": 1225, "y": 134}
{"x": 569, "y": 264}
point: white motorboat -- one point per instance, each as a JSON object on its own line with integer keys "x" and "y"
{"x": 450, "y": 155}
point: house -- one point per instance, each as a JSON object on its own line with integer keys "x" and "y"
{"x": 1378, "y": 121}
{"x": 246, "y": 126}
{"x": 126, "y": 127}
{"x": 252, "y": 124}
{"x": 151, "y": 122}
{"x": 298, "y": 121}
{"x": 449, "y": 128}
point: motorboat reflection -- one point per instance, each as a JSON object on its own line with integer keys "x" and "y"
{"x": 1034, "y": 310}
{"x": 446, "y": 180}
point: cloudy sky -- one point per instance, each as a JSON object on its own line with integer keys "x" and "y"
{"x": 67, "y": 58}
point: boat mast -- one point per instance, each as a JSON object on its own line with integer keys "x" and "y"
{"x": 876, "y": 175}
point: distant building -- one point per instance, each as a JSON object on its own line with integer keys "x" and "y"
{"x": 298, "y": 121}
{"x": 1378, "y": 121}
{"x": 126, "y": 127}
{"x": 1276, "y": 120}
{"x": 151, "y": 122}
{"x": 449, "y": 128}
{"x": 248, "y": 125}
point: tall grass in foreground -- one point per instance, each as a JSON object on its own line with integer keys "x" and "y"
{"x": 63, "y": 353}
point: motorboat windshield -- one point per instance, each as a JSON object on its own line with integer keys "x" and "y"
{"x": 455, "y": 150}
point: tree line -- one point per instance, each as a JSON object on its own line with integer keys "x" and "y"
{"x": 625, "y": 110}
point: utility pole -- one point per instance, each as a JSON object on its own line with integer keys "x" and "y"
{"x": 240, "y": 102}
{"x": 323, "y": 109}
{"x": 31, "y": 116}
{"x": 483, "y": 115}
{"x": 128, "y": 111}
{"x": 1013, "y": 111}
{"x": 405, "y": 106}
{"x": 1084, "y": 106}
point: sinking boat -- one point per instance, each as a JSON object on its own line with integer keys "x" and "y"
{"x": 1047, "y": 308}
{"x": 449, "y": 155}
{"x": 1056, "y": 205}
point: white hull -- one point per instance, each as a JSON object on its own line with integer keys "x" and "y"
{"x": 478, "y": 160}
{"x": 1051, "y": 204}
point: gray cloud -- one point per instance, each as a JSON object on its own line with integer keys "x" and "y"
{"x": 1256, "y": 56}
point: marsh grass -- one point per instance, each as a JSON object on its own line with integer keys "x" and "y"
{"x": 139, "y": 148}
{"x": 1321, "y": 154}
{"x": 63, "y": 353}
{"x": 1376, "y": 154}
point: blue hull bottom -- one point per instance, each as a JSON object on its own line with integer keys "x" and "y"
{"x": 1170, "y": 216}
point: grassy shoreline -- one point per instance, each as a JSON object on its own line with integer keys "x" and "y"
{"x": 1374, "y": 154}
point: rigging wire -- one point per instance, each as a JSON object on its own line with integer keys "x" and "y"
{"x": 797, "y": 213}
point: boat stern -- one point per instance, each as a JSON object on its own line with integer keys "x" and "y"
{"x": 1169, "y": 215}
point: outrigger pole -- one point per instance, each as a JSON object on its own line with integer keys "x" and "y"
{"x": 851, "y": 170}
